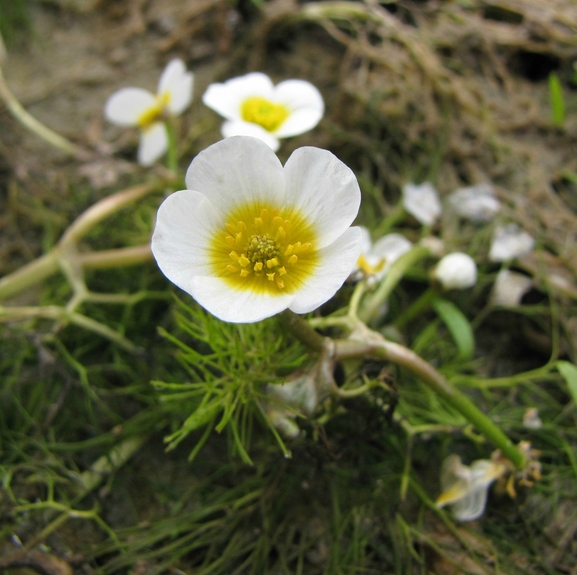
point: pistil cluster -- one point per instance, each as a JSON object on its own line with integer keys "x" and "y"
{"x": 263, "y": 112}
{"x": 263, "y": 251}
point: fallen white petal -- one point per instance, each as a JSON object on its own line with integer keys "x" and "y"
{"x": 476, "y": 203}
{"x": 510, "y": 242}
{"x": 422, "y": 201}
{"x": 509, "y": 288}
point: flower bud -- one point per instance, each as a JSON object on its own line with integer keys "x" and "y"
{"x": 456, "y": 271}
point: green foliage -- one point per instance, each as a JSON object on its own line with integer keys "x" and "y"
{"x": 227, "y": 365}
{"x": 14, "y": 18}
{"x": 556, "y": 100}
{"x": 458, "y": 326}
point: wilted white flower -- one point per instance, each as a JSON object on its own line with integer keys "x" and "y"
{"x": 531, "y": 419}
{"x": 249, "y": 238}
{"x": 253, "y": 106}
{"x": 456, "y": 271}
{"x": 465, "y": 487}
{"x": 141, "y": 108}
{"x": 510, "y": 242}
{"x": 376, "y": 259}
{"x": 509, "y": 288}
{"x": 476, "y": 203}
{"x": 422, "y": 201}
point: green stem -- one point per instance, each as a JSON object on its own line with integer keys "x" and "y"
{"x": 368, "y": 343}
{"x": 373, "y": 303}
{"x": 172, "y": 153}
{"x": 417, "y": 307}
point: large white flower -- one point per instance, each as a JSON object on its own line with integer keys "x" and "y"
{"x": 422, "y": 201}
{"x": 253, "y": 106}
{"x": 141, "y": 108}
{"x": 249, "y": 238}
{"x": 376, "y": 259}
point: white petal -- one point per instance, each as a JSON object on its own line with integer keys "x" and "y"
{"x": 305, "y": 103}
{"x": 226, "y": 98}
{"x": 366, "y": 243}
{"x": 241, "y": 128}
{"x": 422, "y": 202}
{"x": 236, "y": 305}
{"x": 509, "y": 288}
{"x": 456, "y": 271}
{"x": 185, "y": 224}
{"x": 476, "y": 203}
{"x": 390, "y": 248}
{"x": 510, "y": 242}
{"x": 178, "y": 82}
{"x": 324, "y": 189}
{"x": 336, "y": 262}
{"x": 237, "y": 171}
{"x": 127, "y": 105}
{"x": 153, "y": 144}
{"x": 471, "y": 506}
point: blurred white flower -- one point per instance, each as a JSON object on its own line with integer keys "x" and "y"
{"x": 249, "y": 238}
{"x": 422, "y": 201}
{"x": 376, "y": 259}
{"x": 141, "y": 108}
{"x": 253, "y": 106}
{"x": 476, "y": 203}
{"x": 465, "y": 487}
{"x": 509, "y": 288}
{"x": 531, "y": 419}
{"x": 510, "y": 242}
{"x": 456, "y": 271}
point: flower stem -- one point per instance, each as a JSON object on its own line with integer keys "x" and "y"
{"x": 371, "y": 305}
{"x": 172, "y": 153}
{"x": 28, "y": 121}
{"x": 417, "y": 307}
{"x": 367, "y": 343}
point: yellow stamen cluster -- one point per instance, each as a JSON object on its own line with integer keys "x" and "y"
{"x": 156, "y": 111}
{"x": 260, "y": 250}
{"x": 263, "y": 112}
{"x": 369, "y": 269}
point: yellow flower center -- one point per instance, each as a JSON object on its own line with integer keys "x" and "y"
{"x": 263, "y": 112}
{"x": 155, "y": 112}
{"x": 264, "y": 249}
{"x": 369, "y": 269}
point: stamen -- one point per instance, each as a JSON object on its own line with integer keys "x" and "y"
{"x": 233, "y": 256}
{"x": 280, "y": 284}
{"x": 243, "y": 261}
{"x": 293, "y": 259}
{"x": 271, "y": 263}
{"x": 258, "y": 223}
{"x": 242, "y": 226}
{"x": 264, "y": 214}
{"x": 277, "y": 221}
{"x": 270, "y": 277}
{"x": 280, "y": 233}
{"x": 230, "y": 228}
{"x": 289, "y": 250}
{"x": 281, "y": 271}
{"x": 244, "y": 272}
{"x": 258, "y": 267}
{"x": 238, "y": 237}
{"x": 230, "y": 241}
{"x": 232, "y": 268}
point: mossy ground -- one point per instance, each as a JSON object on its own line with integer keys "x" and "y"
{"x": 456, "y": 93}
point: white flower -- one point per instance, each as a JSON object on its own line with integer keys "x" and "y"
{"x": 376, "y": 259}
{"x": 253, "y": 106}
{"x": 476, "y": 203}
{"x": 422, "y": 201}
{"x": 509, "y": 288}
{"x": 249, "y": 238}
{"x": 465, "y": 488}
{"x": 510, "y": 242}
{"x": 139, "y": 107}
{"x": 456, "y": 271}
